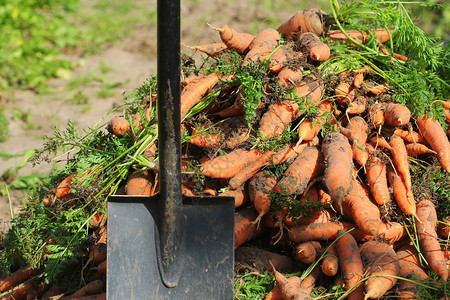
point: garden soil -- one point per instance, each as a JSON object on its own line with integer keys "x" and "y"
{"x": 32, "y": 116}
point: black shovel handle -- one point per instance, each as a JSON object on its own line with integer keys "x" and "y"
{"x": 171, "y": 216}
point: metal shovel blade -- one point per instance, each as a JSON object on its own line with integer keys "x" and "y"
{"x": 208, "y": 255}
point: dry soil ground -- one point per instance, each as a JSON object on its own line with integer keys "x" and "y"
{"x": 129, "y": 62}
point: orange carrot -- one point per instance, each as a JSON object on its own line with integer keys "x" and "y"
{"x": 392, "y": 232}
{"x": 443, "y": 228}
{"x": 410, "y": 136}
{"x": 264, "y": 43}
{"x": 98, "y": 220}
{"x": 259, "y": 188}
{"x": 377, "y": 178}
{"x": 330, "y": 263}
{"x": 251, "y": 169}
{"x": 310, "y": 43}
{"x": 279, "y": 58}
{"x": 324, "y": 197}
{"x": 64, "y": 188}
{"x": 306, "y": 252}
{"x": 410, "y": 268}
{"x": 376, "y": 114}
{"x": 322, "y": 231}
{"x": 205, "y": 139}
{"x": 141, "y": 184}
{"x": 306, "y": 166}
{"x": 16, "y": 278}
{"x": 186, "y": 191}
{"x": 358, "y": 79}
{"x": 415, "y": 149}
{"x": 308, "y": 283}
{"x": 245, "y": 228}
{"x": 357, "y": 206}
{"x": 400, "y": 159}
{"x": 31, "y": 289}
{"x": 275, "y": 293}
{"x": 289, "y": 152}
{"x": 308, "y": 20}
{"x": 194, "y": 94}
{"x": 49, "y": 200}
{"x": 289, "y": 290}
{"x": 338, "y": 157}
{"x": 263, "y": 260}
{"x": 345, "y": 93}
{"x": 277, "y": 117}
{"x": 240, "y": 196}
{"x": 93, "y": 287}
{"x": 378, "y": 140}
{"x": 426, "y": 229}
{"x": 228, "y": 165}
{"x": 381, "y": 260}
{"x": 212, "y": 50}
{"x": 377, "y": 89}
{"x": 436, "y": 137}
{"x": 309, "y": 129}
{"x": 357, "y": 106}
{"x": 356, "y": 132}
{"x": 351, "y": 264}
{"x": 119, "y": 126}
{"x": 289, "y": 77}
{"x": 235, "y": 40}
{"x": 381, "y": 34}
{"x": 396, "y": 114}
{"x": 403, "y": 196}
{"x": 446, "y": 104}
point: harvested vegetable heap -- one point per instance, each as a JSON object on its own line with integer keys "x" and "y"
{"x": 330, "y": 132}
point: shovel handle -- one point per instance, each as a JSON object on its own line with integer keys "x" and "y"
{"x": 170, "y": 218}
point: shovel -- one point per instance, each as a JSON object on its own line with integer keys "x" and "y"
{"x": 170, "y": 246}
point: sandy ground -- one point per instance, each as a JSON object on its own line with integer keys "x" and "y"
{"x": 131, "y": 61}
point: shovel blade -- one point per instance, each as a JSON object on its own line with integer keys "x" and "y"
{"x": 132, "y": 265}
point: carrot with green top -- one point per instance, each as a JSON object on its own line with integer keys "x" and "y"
{"x": 264, "y": 43}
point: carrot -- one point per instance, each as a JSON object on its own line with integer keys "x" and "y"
{"x": 403, "y": 196}
{"x": 277, "y": 117}
{"x": 436, "y": 137}
{"x": 264, "y": 43}
{"x": 376, "y": 114}
{"x": 275, "y": 293}
{"x": 245, "y": 228}
{"x": 357, "y": 206}
{"x": 98, "y": 220}
{"x": 310, "y": 43}
{"x": 309, "y": 129}
{"x": 396, "y": 114}
{"x": 377, "y": 178}
{"x": 31, "y": 289}
{"x": 324, "y": 197}
{"x": 378, "y": 140}
{"x": 119, "y": 126}
{"x": 391, "y": 232}
{"x": 443, "y": 228}
{"x": 323, "y": 231}
{"x": 410, "y": 136}
{"x": 194, "y": 94}
{"x": 382, "y": 266}
{"x": 415, "y": 149}
{"x": 259, "y": 187}
{"x": 289, "y": 77}
{"x": 356, "y": 132}
{"x": 330, "y": 263}
{"x": 446, "y": 104}
{"x": 235, "y": 40}
{"x": 308, "y": 20}
{"x": 338, "y": 157}
{"x": 306, "y": 252}
{"x": 279, "y": 58}
{"x": 16, "y": 278}
{"x": 186, "y": 191}
{"x": 410, "y": 268}
{"x": 400, "y": 159}
{"x": 289, "y": 153}
{"x": 385, "y": 51}
{"x": 289, "y": 290}
{"x": 100, "y": 296}
{"x": 351, "y": 264}
{"x": 306, "y": 166}
{"x": 357, "y": 106}
{"x": 251, "y": 169}
{"x": 228, "y": 165}
{"x": 381, "y": 34}
{"x": 262, "y": 260}
{"x": 377, "y": 89}
{"x": 141, "y": 184}
{"x": 345, "y": 93}
{"x": 49, "y": 200}
{"x": 64, "y": 188}
{"x": 207, "y": 140}
{"x": 358, "y": 79}
{"x": 212, "y": 50}
{"x": 308, "y": 283}
{"x": 239, "y": 195}
{"x": 93, "y": 287}
{"x": 426, "y": 229}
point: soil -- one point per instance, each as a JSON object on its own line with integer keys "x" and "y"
{"x": 132, "y": 61}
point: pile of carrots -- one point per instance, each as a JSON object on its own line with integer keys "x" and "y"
{"x": 323, "y": 175}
